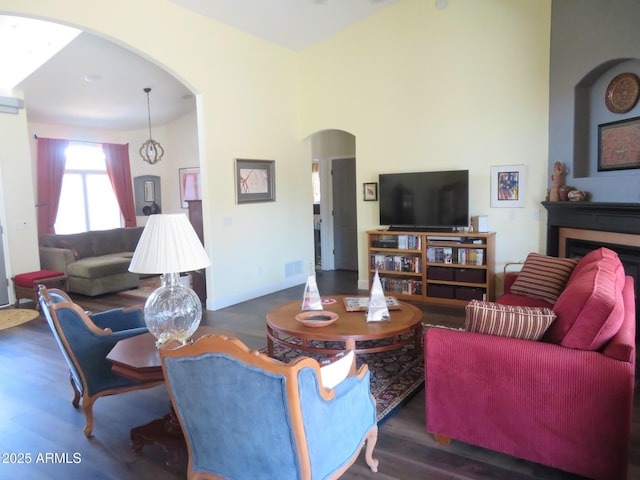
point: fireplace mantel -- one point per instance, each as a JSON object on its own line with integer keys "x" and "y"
{"x": 604, "y": 217}
{"x": 576, "y": 228}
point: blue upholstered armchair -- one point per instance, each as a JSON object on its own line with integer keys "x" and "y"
{"x": 248, "y": 416}
{"x": 85, "y": 342}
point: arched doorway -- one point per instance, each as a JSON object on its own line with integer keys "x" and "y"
{"x": 90, "y": 47}
{"x": 336, "y": 220}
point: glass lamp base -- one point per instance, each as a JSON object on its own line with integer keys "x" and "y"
{"x": 172, "y": 311}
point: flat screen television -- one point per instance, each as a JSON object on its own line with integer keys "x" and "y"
{"x": 424, "y": 200}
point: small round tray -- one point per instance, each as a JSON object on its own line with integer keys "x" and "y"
{"x": 316, "y": 318}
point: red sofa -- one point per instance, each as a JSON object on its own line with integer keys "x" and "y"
{"x": 564, "y": 401}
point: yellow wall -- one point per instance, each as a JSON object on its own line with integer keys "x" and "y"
{"x": 427, "y": 89}
{"x": 420, "y": 88}
{"x": 17, "y": 205}
{"x": 247, "y": 96}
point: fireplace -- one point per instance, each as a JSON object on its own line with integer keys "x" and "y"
{"x": 618, "y": 218}
{"x": 576, "y": 228}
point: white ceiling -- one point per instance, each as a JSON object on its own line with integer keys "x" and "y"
{"x": 295, "y": 24}
{"x": 58, "y": 91}
{"x": 113, "y": 98}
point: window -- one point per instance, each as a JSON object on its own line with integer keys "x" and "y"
{"x": 87, "y": 200}
{"x": 315, "y": 181}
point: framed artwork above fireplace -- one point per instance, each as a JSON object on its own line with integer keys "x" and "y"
{"x": 619, "y": 145}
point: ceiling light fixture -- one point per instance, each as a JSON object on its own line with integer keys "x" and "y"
{"x": 151, "y": 151}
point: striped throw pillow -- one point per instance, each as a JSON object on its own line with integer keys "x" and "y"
{"x": 543, "y": 277}
{"x": 529, "y": 323}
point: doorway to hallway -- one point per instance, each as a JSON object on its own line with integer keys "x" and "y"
{"x": 335, "y": 191}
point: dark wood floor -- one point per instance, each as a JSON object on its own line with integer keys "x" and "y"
{"x": 36, "y": 416}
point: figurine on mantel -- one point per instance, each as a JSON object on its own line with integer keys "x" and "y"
{"x": 577, "y": 195}
{"x": 564, "y": 192}
{"x": 559, "y": 191}
{"x": 557, "y": 181}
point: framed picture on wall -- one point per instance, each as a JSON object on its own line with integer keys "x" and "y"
{"x": 370, "y": 191}
{"x": 507, "y": 186}
{"x": 255, "y": 181}
{"x": 190, "y": 186}
{"x": 619, "y": 145}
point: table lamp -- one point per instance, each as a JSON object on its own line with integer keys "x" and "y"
{"x": 169, "y": 245}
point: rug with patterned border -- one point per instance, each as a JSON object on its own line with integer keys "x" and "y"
{"x": 396, "y": 375}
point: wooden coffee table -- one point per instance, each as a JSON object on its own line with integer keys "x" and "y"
{"x": 404, "y": 328}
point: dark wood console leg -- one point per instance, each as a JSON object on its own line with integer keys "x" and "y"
{"x": 164, "y": 433}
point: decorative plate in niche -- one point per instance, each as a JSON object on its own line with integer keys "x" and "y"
{"x": 622, "y": 93}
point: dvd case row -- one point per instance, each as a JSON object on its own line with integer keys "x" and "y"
{"x": 459, "y": 256}
{"x": 410, "y": 242}
{"x": 396, "y": 263}
{"x": 401, "y": 285}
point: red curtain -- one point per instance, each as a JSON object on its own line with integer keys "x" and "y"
{"x": 119, "y": 171}
{"x": 51, "y": 161}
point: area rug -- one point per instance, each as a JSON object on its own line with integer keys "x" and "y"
{"x": 145, "y": 287}
{"x": 431, "y": 325}
{"x": 16, "y": 316}
{"x": 396, "y": 375}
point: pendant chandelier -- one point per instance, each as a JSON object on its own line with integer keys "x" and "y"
{"x": 151, "y": 151}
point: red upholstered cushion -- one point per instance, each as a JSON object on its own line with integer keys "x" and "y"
{"x": 27, "y": 279}
{"x": 590, "y": 310}
{"x": 522, "y": 301}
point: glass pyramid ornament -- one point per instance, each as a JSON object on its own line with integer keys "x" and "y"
{"x": 378, "y": 310}
{"x": 311, "y": 299}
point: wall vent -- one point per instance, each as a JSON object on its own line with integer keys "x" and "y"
{"x": 293, "y": 268}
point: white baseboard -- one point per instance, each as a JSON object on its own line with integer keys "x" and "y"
{"x": 218, "y": 303}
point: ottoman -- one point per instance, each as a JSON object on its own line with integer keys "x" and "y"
{"x": 26, "y": 284}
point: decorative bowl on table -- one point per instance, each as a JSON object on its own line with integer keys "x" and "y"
{"x": 316, "y": 318}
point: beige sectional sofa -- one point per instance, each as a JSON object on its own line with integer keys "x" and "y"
{"x": 96, "y": 262}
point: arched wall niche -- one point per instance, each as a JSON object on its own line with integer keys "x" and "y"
{"x": 590, "y": 111}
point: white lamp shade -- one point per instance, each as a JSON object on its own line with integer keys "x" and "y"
{"x": 168, "y": 244}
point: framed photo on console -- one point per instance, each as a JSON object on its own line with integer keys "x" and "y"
{"x": 507, "y": 186}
